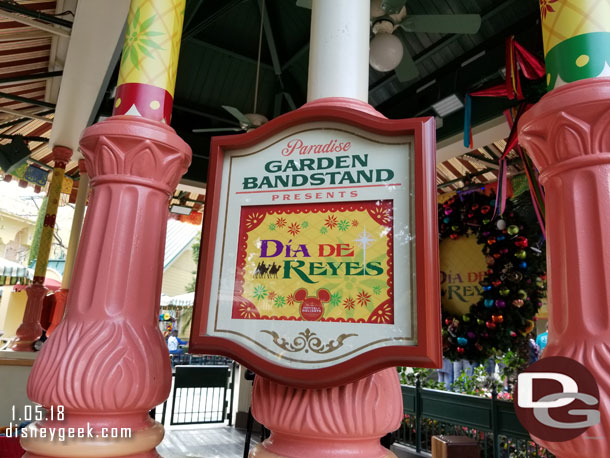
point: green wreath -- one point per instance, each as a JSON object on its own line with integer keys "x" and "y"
{"x": 515, "y": 281}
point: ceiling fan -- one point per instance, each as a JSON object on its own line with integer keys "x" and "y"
{"x": 252, "y": 120}
{"x": 389, "y": 24}
{"x": 247, "y": 121}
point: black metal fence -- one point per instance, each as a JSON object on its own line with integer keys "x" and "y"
{"x": 492, "y": 422}
{"x": 202, "y": 360}
{"x": 200, "y": 395}
{"x": 202, "y": 391}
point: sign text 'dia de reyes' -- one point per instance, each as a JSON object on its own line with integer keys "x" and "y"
{"x": 313, "y": 262}
{"x": 316, "y": 233}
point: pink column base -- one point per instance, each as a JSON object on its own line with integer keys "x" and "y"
{"x": 152, "y": 454}
{"x": 30, "y": 329}
{"x": 144, "y": 435}
{"x": 341, "y": 421}
{"x": 288, "y": 446}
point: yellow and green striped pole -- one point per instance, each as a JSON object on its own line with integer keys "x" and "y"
{"x": 576, "y": 35}
{"x": 30, "y": 329}
{"x": 61, "y": 156}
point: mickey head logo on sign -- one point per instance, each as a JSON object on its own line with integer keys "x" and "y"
{"x": 312, "y": 307}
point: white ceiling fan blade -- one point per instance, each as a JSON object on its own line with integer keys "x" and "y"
{"x": 406, "y": 69}
{"x": 304, "y": 4}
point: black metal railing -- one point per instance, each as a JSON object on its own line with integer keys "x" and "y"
{"x": 200, "y": 395}
{"x": 492, "y": 422}
{"x": 202, "y": 391}
{"x": 186, "y": 359}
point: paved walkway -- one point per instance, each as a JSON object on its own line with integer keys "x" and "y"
{"x": 209, "y": 442}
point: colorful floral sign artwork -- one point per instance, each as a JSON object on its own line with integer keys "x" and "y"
{"x": 318, "y": 254}
{"x": 316, "y": 262}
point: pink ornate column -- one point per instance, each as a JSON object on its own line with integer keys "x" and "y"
{"x": 107, "y": 362}
{"x": 567, "y": 134}
{"x": 344, "y": 421}
{"x": 30, "y": 330}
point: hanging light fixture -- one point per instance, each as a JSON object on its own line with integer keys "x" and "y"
{"x": 386, "y": 49}
{"x": 448, "y": 105}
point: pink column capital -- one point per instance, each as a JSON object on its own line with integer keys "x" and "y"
{"x": 342, "y": 421}
{"x": 567, "y": 134}
{"x": 61, "y": 156}
{"x": 569, "y": 127}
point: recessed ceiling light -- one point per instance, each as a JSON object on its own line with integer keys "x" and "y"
{"x": 472, "y": 59}
{"x": 425, "y": 86}
{"x": 180, "y": 209}
{"x": 448, "y": 105}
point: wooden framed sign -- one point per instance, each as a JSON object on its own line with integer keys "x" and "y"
{"x": 319, "y": 260}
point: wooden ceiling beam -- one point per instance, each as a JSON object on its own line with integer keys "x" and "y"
{"x": 29, "y": 78}
{"x": 14, "y": 7}
{"x": 481, "y": 158}
{"x": 29, "y": 138}
{"x": 22, "y": 36}
{"x": 18, "y": 98}
{"x": 188, "y": 34}
{"x": 24, "y": 114}
{"x": 20, "y": 120}
{"x": 457, "y": 180}
{"x": 61, "y": 31}
{"x": 241, "y": 57}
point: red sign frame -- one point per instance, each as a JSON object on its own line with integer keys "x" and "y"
{"x": 428, "y": 350}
